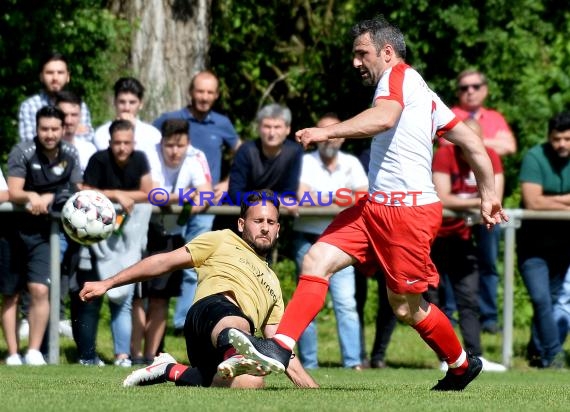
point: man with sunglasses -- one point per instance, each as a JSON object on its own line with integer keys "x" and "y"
{"x": 472, "y": 91}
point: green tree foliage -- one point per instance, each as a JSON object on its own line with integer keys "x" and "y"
{"x": 299, "y": 53}
{"x": 94, "y": 41}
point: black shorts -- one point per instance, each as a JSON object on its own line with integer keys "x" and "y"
{"x": 35, "y": 235}
{"x": 169, "y": 284}
{"x": 12, "y": 264}
{"x": 202, "y": 317}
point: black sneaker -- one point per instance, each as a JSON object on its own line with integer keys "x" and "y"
{"x": 451, "y": 382}
{"x": 268, "y": 354}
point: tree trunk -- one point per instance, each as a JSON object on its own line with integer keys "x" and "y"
{"x": 170, "y": 43}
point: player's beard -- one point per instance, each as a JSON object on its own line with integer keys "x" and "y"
{"x": 259, "y": 247}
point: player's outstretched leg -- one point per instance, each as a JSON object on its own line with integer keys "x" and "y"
{"x": 267, "y": 353}
{"x": 240, "y": 365}
{"x": 152, "y": 374}
{"x": 452, "y": 382}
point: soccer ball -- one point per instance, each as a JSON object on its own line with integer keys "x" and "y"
{"x": 88, "y": 217}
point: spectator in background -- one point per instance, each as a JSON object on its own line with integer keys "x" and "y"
{"x": 54, "y": 76}
{"x": 70, "y": 104}
{"x": 11, "y": 262}
{"x": 325, "y": 171}
{"x": 542, "y": 246}
{"x": 472, "y": 91}
{"x": 272, "y": 161}
{"x": 129, "y": 93}
{"x": 209, "y": 132}
{"x": 176, "y": 170}
{"x": 40, "y": 172}
{"x": 123, "y": 175}
{"x": 453, "y": 251}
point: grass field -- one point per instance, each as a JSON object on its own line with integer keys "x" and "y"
{"x": 402, "y": 387}
{"x": 77, "y": 388}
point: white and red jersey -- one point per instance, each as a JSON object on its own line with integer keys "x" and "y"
{"x": 401, "y": 157}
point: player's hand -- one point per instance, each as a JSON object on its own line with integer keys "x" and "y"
{"x": 311, "y": 135}
{"x": 492, "y": 213}
{"x": 92, "y": 290}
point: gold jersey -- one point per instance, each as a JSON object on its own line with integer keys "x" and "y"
{"x": 227, "y": 264}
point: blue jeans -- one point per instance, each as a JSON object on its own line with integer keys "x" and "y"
{"x": 122, "y": 325}
{"x": 487, "y": 253}
{"x": 543, "y": 280}
{"x": 197, "y": 225}
{"x": 562, "y": 309}
{"x": 85, "y": 319}
{"x": 342, "y": 290}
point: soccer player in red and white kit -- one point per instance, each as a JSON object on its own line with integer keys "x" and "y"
{"x": 396, "y": 231}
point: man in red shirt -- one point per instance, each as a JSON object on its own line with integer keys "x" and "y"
{"x": 472, "y": 90}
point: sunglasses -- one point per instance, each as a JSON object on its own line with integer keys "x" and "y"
{"x": 463, "y": 88}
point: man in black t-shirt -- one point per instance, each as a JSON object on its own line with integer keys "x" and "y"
{"x": 272, "y": 161}
{"x": 120, "y": 172}
{"x": 38, "y": 172}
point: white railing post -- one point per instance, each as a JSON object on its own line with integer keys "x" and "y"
{"x": 54, "y": 294}
{"x": 509, "y": 229}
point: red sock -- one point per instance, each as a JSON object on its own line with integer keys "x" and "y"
{"x": 176, "y": 371}
{"x": 307, "y": 301}
{"x": 229, "y": 353}
{"x": 437, "y": 332}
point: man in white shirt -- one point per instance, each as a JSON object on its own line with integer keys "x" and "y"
{"x": 129, "y": 93}
{"x": 174, "y": 171}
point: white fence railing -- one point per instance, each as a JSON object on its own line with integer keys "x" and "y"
{"x": 509, "y": 229}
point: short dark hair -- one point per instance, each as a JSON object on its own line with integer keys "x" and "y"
{"x": 129, "y": 85}
{"x": 559, "y": 122}
{"x": 52, "y": 56}
{"x": 171, "y": 127}
{"x": 120, "y": 124}
{"x": 381, "y": 33}
{"x": 49, "y": 111}
{"x": 67, "y": 96}
{"x": 254, "y": 197}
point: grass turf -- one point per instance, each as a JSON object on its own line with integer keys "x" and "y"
{"x": 77, "y": 388}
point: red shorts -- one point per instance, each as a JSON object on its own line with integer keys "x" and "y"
{"x": 396, "y": 239}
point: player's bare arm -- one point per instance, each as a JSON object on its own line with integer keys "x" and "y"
{"x": 477, "y": 157}
{"x": 148, "y": 268}
{"x": 383, "y": 116}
